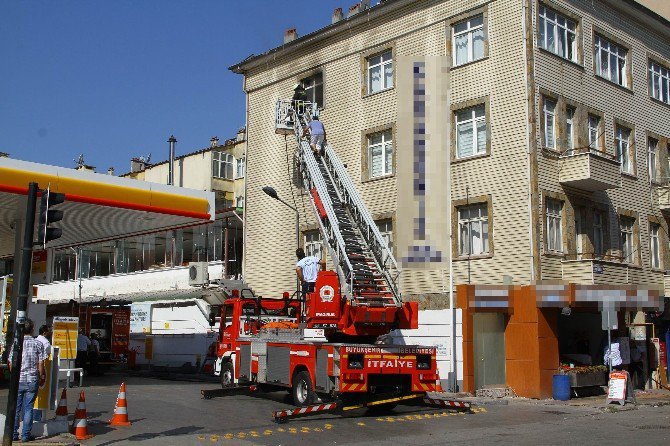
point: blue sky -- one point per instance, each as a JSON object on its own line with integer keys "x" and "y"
{"x": 113, "y": 79}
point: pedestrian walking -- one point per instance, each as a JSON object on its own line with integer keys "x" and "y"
{"x": 31, "y": 378}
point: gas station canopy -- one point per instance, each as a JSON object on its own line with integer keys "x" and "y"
{"x": 97, "y": 207}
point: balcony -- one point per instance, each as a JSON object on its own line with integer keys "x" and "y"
{"x": 662, "y": 193}
{"x": 666, "y": 283}
{"x": 589, "y": 170}
{"x": 610, "y": 271}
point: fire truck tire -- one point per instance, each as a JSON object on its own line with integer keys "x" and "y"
{"x": 381, "y": 408}
{"x": 227, "y": 375}
{"x": 303, "y": 389}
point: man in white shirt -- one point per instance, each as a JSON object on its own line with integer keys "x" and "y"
{"x": 307, "y": 269}
{"x": 43, "y": 337}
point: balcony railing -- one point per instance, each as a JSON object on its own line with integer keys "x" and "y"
{"x": 608, "y": 270}
{"x": 589, "y": 170}
{"x": 662, "y": 193}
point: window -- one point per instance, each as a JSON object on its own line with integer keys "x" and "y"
{"x": 622, "y": 147}
{"x": 611, "y": 61}
{"x": 222, "y": 165}
{"x": 240, "y": 201}
{"x": 554, "y": 230}
{"x": 598, "y": 234}
{"x": 240, "y": 167}
{"x": 386, "y": 229}
{"x": 594, "y": 132}
{"x": 473, "y": 230}
{"x": 314, "y": 88}
{"x": 468, "y": 40}
{"x": 652, "y": 148}
{"x": 549, "y": 117}
{"x": 471, "y": 131}
{"x": 558, "y": 34}
{"x": 313, "y": 243}
{"x": 654, "y": 246}
{"x": 380, "y": 72}
{"x": 627, "y": 245}
{"x": 659, "y": 82}
{"x": 569, "y": 129}
{"x": 380, "y": 154}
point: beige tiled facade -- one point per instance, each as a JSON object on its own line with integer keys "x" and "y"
{"x": 516, "y": 173}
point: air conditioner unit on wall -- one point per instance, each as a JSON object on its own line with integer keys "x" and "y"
{"x": 198, "y": 275}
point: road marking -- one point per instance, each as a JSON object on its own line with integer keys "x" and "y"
{"x": 292, "y": 430}
{"x": 281, "y": 429}
{"x": 214, "y": 438}
{"x": 253, "y": 434}
{"x": 360, "y": 424}
{"x": 201, "y": 437}
{"x": 318, "y": 429}
{"x": 328, "y": 426}
{"x": 229, "y": 436}
{"x": 304, "y": 429}
{"x": 267, "y": 432}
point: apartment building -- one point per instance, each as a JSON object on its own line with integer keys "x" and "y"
{"x": 558, "y": 115}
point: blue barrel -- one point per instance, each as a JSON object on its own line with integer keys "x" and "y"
{"x": 561, "y": 387}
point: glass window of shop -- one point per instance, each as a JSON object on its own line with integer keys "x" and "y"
{"x": 204, "y": 243}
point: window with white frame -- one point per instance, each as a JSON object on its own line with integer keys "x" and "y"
{"x": 598, "y": 234}
{"x": 468, "y": 40}
{"x": 659, "y": 82}
{"x": 386, "y": 229}
{"x": 652, "y": 150}
{"x": 627, "y": 239}
{"x": 611, "y": 61}
{"x": 240, "y": 201}
{"x": 622, "y": 148}
{"x": 655, "y": 245}
{"x": 569, "y": 129}
{"x": 473, "y": 230}
{"x": 240, "y": 167}
{"x": 549, "y": 119}
{"x": 554, "y": 236}
{"x": 471, "y": 131}
{"x": 594, "y": 132}
{"x": 222, "y": 165}
{"x": 557, "y": 34}
{"x": 313, "y": 243}
{"x": 380, "y": 72}
{"x": 313, "y": 86}
{"x": 380, "y": 154}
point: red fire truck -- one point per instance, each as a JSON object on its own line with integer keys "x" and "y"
{"x": 329, "y": 344}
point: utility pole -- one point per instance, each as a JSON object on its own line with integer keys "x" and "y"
{"x": 23, "y": 283}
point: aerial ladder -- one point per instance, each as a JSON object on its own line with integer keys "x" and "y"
{"x": 365, "y": 264}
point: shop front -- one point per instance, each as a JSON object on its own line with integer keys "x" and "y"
{"x": 520, "y": 336}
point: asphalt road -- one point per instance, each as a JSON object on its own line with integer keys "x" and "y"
{"x": 173, "y": 413}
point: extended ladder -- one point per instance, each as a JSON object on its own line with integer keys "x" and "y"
{"x": 360, "y": 253}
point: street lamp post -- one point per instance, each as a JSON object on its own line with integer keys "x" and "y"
{"x": 272, "y": 193}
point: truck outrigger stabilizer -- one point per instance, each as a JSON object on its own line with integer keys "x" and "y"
{"x": 282, "y": 416}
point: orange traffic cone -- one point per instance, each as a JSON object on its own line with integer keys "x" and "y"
{"x": 61, "y": 410}
{"x": 120, "y": 417}
{"x": 79, "y": 427}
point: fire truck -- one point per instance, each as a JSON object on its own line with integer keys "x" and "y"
{"x": 328, "y": 345}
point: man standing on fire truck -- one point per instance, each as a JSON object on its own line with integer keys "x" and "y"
{"x": 307, "y": 269}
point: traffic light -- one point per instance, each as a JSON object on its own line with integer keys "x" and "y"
{"x": 49, "y": 216}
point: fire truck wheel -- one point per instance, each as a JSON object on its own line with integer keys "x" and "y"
{"x": 227, "y": 375}
{"x": 303, "y": 390}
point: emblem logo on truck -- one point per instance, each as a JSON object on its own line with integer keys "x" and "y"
{"x": 327, "y": 293}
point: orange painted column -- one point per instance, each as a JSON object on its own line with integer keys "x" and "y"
{"x": 531, "y": 345}
{"x": 464, "y": 294}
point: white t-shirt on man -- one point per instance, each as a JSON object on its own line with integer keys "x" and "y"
{"x": 310, "y": 268}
